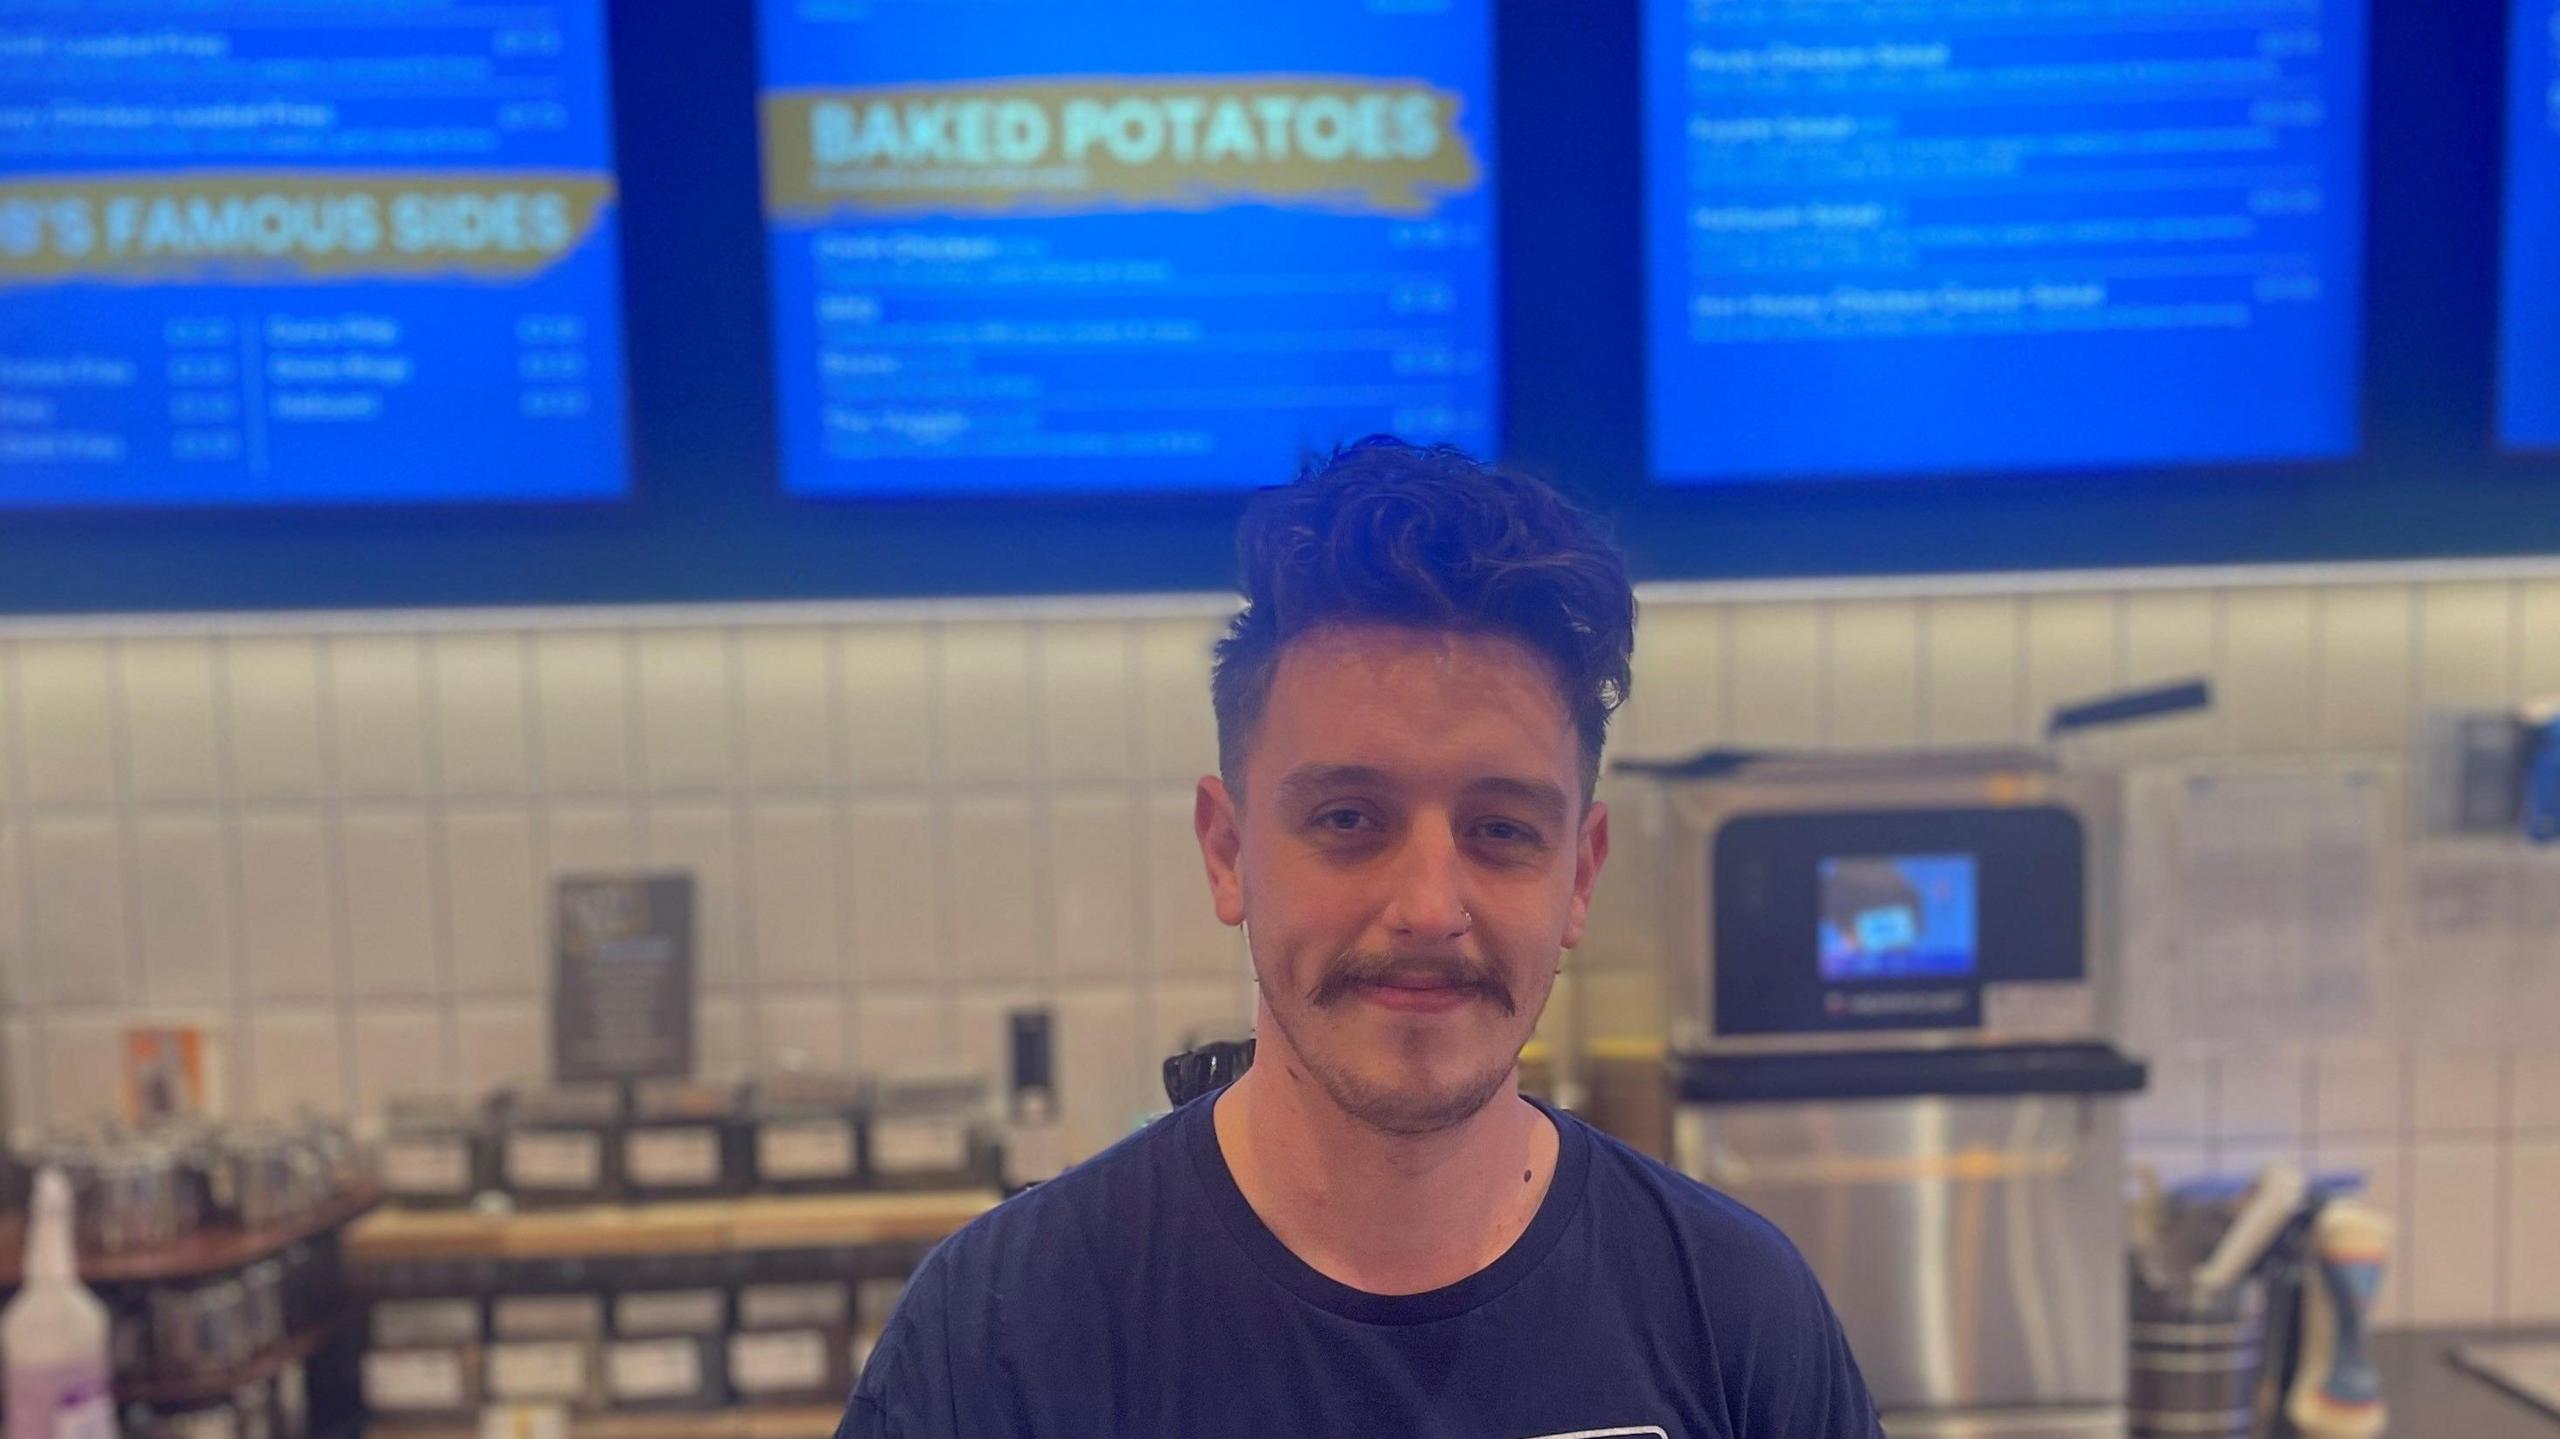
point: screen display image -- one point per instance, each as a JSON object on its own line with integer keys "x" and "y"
{"x": 1897, "y": 917}
{"x": 2529, "y": 350}
{"x": 311, "y": 253}
{"x": 1893, "y": 237}
{"x": 1076, "y": 248}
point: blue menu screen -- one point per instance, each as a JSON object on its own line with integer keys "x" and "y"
{"x": 2529, "y": 353}
{"x": 1940, "y": 236}
{"x": 1898, "y": 917}
{"x": 1050, "y": 246}
{"x": 307, "y": 251}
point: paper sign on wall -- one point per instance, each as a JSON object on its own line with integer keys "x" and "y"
{"x": 2253, "y": 900}
{"x": 622, "y": 978}
{"x": 164, "y": 1073}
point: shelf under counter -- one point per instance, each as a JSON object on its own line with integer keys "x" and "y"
{"x": 181, "y": 1392}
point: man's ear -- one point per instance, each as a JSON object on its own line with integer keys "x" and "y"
{"x": 1590, "y": 851}
{"x": 1221, "y": 834}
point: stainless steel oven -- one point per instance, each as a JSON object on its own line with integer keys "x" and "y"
{"x": 1893, "y": 1005}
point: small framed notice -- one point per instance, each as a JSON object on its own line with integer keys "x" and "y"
{"x": 622, "y": 977}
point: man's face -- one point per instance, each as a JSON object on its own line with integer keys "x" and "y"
{"x": 1410, "y": 855}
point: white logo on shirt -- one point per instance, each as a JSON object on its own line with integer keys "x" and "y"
{"x": 1642, "y": 1431}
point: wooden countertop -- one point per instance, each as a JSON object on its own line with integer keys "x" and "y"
{"x": 713, "y": 1226}
{"x": 207, "y": 1251}
{"x": 744, "y": 1421}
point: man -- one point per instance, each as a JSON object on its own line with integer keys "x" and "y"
{"x": 1371, "y": 1233}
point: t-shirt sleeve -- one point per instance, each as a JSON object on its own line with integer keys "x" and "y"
{"x": 1795, "y": 1377}
{"x": 905, "y": 1388}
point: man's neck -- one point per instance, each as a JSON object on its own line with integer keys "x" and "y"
{"x": 1383, "y": 1213}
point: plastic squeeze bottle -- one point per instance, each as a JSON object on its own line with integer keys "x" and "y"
{"x": 53, "y": 1336}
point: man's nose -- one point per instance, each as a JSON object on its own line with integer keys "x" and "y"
{"x": 1429, "y": 906}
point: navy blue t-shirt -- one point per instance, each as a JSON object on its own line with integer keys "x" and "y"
{"x": 1139, "y": 1295}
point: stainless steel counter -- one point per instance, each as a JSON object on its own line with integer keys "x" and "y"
{"x": 2432, "y": 1399}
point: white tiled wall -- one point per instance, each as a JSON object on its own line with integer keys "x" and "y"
{"x": 330, "y": 839}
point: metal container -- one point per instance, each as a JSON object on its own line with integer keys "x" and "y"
{"x": 927, "y": 1129}
{"x": 781, "y": 1366}
{"x": 807, "y": 1133}
{"x": 263, "y": 1303}
{"x": 793, "y": 1304}
{"x": 671, "y": 1371}
{"x": 563, "y": 1145}
{"x": 544, "y": 1371}
{"x": 565, "y": 1311}
{"x": 2196, "y": 1360}
{"x": 293, "y": 1401}
{"x": 876, "y": 1299}
{"x": 202, "y": 1421}
{"x": 129, "y": 1197}
{"x": 670, "y": 1293}
{"x": 685, "y": 1140}
{"x": 128, "y": 1331}
{"x": 446, "y": 1321}
{"x": 439, "y": 1383}
{"x": 662, "y": 1313}
{"x": 436, "y": 1151}
{"x": 253, "y": 1405}
{"x": 201, "y": 1328}
{"x": 270, "y": 1179}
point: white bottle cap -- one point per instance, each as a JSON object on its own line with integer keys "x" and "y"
{"x": 49, "y": 1249}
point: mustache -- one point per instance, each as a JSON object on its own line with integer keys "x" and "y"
{"x": 1355, "y": 969}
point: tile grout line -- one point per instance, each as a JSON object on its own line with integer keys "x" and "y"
{"x": 2023, "y": 728}
{"x": 243, "y": 1046}
{"x": 128, "y": 837}
{"x": 640, "y": 832}
{"x": 444, "y": 984}
{"x": 333, "y": 861}
{"x": 2501, "y": 1197}
{"x": 840, "y": 876}
{"x": 1728, "y": 707}
{"x": 735, "y": 797}
{"x": 21, "y": 878}
{"x": 2317, "y": 698}
{"x": 1141, "y": 756}
{"x": 1042, "y": 900}
{"x": 945, "y": 959}
{"x": 638, "y": 798}
{"x": 539, "y": 803}
{"x": 1825, "y": 723}
{"x": 2512, "y": 663}
{"x": 2413, "y": 683}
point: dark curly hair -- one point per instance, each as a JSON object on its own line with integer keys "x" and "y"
{"x": 1385, "y": 532}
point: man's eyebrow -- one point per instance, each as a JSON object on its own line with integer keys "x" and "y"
{"x": 1542, "y": 796}
{"x": 1545, "y": 800}
{"x": 1311, "y": 781}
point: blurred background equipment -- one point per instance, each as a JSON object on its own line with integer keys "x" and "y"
{"x": 1894, "y": 1011}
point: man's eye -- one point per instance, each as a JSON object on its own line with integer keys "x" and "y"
{"x": 1504, "y": 831}
{"x": 1345, "y": 821}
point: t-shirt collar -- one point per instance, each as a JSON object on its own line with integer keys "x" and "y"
{"x": 1198, "y": 1133}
